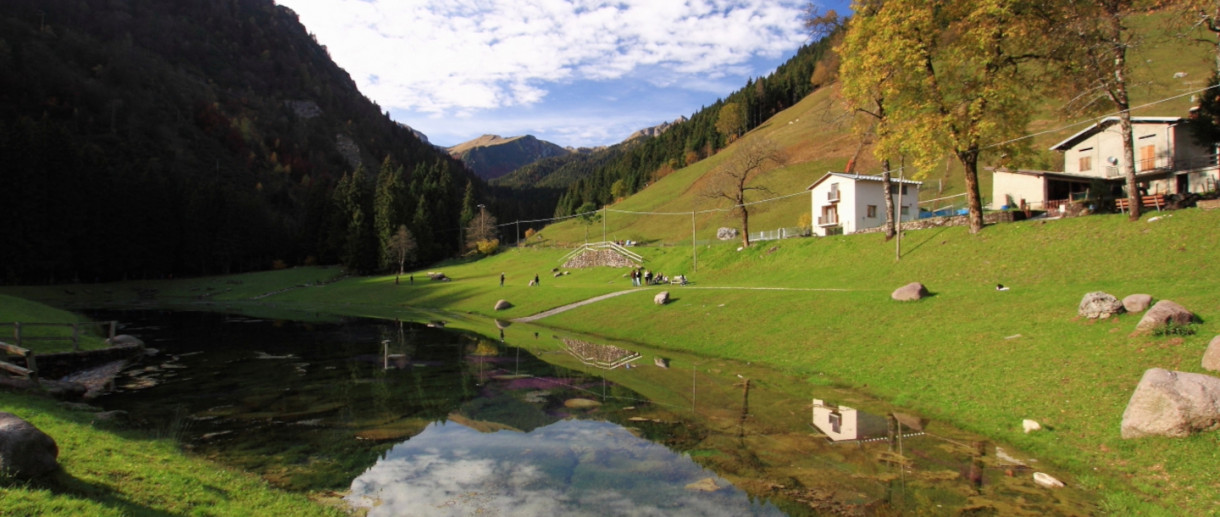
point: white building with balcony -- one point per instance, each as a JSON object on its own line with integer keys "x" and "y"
{"x": 1168, "y": 160}
{"x": 847, "y": 203}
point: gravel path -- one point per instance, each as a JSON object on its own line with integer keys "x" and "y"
{"x": 571, "y": 306}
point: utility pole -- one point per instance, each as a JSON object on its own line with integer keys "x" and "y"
{"x": 482, "y": 223}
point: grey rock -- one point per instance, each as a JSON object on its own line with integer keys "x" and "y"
{"x": 1163, "y": 314}
{"x": 503, "y": 305}
{"x": 1137, "y": 302}
{"x": 726, "y": 234}
{"x": 910, "y": 292}
{"x": 25, "y": 451}
{"x": 1211, "y": 358}
{"x": 124, "y": 339}
{"x": 661, "y": 298}
{"x": 1172, "y": 404}
{"x": 1098, "y": 304}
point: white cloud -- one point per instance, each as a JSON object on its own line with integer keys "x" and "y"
{"x": 451, "y": 57}
{"x": 571, "y": 467}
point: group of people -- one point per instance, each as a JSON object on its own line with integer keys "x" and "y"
{"x": 641, "y": 276}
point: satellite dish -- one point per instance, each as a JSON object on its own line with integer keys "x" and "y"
{"x": 1112, "y": 160}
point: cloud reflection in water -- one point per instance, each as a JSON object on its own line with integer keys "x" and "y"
{"x": 572, "y": 467}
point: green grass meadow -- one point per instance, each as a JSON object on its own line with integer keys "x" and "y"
{"x": 820, "y": 310}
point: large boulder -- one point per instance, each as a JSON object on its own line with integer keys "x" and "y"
{"x": 1173, "y": 404}
{"x": 502, "y": 305}
{"x": 1164, "y": 314}
{"x": 1211, "y": 358}
{"x": 25, "y": 451}
{"x": 726, "y": 234}
{"x": 661, "y": 298}
{"x": 1098, "y": 304}
{"x": 910, "y": 292}
{"x": 1137, "y": 302}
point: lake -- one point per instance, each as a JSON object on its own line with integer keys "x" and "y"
{"x": 413, "y": 419}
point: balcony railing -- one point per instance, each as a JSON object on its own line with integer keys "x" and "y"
{"x": 833, "y": 196}
{"x": 828, "y": 221}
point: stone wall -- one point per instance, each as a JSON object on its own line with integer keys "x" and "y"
{"x": 938, "y": 222}
{"x": 599, "y": 258}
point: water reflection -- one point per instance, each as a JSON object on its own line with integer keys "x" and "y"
{"x": 503, "y": 426}
{"x": 570, "y": 467}
{"x": 607, "y": 357}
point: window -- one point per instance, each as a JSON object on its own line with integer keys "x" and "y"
{"x": 904, "y": 190}
{"x": 1147, "y": 159}
{"x": 905, "y": 210}
{"x": 872, "y": 211}
{"x": 1086, "y": 163}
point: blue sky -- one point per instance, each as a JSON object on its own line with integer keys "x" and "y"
{"x": 573, "y": 72}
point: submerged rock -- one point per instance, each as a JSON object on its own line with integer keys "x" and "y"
{"x": 704, "y": 485}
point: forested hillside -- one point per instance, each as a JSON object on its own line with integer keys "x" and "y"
{"x": 144, "y": 138}
{"x": 688, "y": 142}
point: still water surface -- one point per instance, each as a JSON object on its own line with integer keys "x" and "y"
{"x": 406, "y": 419}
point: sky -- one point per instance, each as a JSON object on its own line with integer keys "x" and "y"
{"x": 578, "y": 73}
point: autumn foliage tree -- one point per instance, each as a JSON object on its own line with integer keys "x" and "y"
{"x": 960, "y": 78}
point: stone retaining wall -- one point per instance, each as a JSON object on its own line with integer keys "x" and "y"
{"x": 599, "y": 258}
{"x": 938, "y": 222}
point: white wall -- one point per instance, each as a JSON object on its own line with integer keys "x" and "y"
{"x": 1019, "y": 186}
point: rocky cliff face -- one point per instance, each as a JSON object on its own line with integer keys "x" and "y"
{"x": 492, "y": 156}
{"x": 655, "y": 130}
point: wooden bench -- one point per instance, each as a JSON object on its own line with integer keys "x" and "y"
{"x": 1150, "y": 201}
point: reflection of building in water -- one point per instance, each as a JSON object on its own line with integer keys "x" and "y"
{"x": 842, "y": 423}
{"x": 607, "y": 357}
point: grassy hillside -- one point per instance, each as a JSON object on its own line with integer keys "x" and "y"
{"x": 819, "y": 309}
{"x": 816, "y": 135}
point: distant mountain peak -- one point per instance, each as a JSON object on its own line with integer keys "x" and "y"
{"x": 655, "y": 130}
{"x": 492, "y": 156}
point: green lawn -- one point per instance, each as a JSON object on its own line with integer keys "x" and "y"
{"x": 819, "y": 309}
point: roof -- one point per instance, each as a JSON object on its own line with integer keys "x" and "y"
{"x": 1072, "y": 175}
{"x": 861, "y": 177}
{"x": 1089, "y": 131}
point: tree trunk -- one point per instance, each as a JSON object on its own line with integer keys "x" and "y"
{"x": 970, "y": 162}
{"x": 1118, "y": 94}
{"x": 745, "y": 227}
{"x": 887, "y": 186}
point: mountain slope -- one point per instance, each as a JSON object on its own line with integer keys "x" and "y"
{"x": 146, "y": 138}
{"x": 492, "y": 156}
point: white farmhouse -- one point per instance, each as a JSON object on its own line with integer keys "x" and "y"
{"x": 847, "y": 203}
{"x": 842, "y": 423}
{"x": 1168, "y": 160}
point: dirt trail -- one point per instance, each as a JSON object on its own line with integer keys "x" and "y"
{"x": 571, "y": 306}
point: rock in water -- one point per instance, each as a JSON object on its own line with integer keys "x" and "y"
{"x": 25, "y": 451}
{"x": 704, "y": 485}
{"x": 1097, "y": 304}
{"x": 1172, "y": 404}
{"x": 1046, "y": 480}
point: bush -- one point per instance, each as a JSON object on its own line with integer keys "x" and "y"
{"x": 488, "y": 247}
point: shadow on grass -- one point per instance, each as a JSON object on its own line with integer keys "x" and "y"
{"x": 63, "y": 484}
{"x": 930, "y": 237}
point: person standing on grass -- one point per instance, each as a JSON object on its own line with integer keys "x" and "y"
{"x": 536, "y": 279}
{"x": 501, "y": 279}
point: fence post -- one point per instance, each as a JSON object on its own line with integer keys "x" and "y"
{"x": 32, "y": 366}
{"x": 17, "y": 332}
{"x": 76, "y": 337}
{"x": 112, "y": 324}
